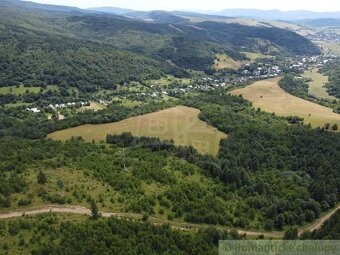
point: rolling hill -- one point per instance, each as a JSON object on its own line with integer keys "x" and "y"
{"x": 44, "y": 45}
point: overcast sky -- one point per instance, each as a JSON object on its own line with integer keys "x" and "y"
{"x": 213, "y": 5}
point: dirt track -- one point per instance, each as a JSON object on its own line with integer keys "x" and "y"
{"x": 176, "y": 225}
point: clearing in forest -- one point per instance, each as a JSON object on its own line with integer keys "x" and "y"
{"x": 223, "y": 61}
{"x": 19, "y": 90}
{"x": 317, "y": 85}
{"x": 180, "y": 124}
{"x": 268, "y": 95}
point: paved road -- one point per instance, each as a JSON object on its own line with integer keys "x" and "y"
{"x": 157, "y": 221}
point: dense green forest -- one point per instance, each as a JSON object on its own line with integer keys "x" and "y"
{"x": 332, "y": 69}
{"x": 53, "y": 234}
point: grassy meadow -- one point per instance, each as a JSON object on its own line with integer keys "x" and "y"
{"x": 331, "y": 47}
{"x": 223, "y": 61}
{"x": 180, "y": 124}
{"x": 255, "y": 55}
{"x": 19, "y": 90}
{"x": 270, "y": 97}
{"x": 93, "y": 106}
{"x": 317, "y": 85}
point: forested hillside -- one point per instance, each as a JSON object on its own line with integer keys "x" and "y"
{"x": 84, "y": 50}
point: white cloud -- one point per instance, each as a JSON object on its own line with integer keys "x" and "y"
{"x": 313, "y": 5}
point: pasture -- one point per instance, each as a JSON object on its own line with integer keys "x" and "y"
{"x": 317, "y": 85}
{"x": 180, "y": 124}
{"x": 93, "y": 106}
{"x": 268, "y": 95}
{"x": 223, "y": 61}
{"x": 19, "y": 90}
{"x": 330, "y": 47}
{"x": 255, "y": 55}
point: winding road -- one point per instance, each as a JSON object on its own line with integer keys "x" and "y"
{"x": 154, "y": 220}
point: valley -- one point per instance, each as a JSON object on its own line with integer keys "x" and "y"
{"x": 162, "y": 132}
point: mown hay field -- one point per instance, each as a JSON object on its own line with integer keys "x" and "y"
{"x": 268, "y": 95}
{"x": 180, "y": 124}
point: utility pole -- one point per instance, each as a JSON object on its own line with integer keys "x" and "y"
{"x": 125, "y": 169}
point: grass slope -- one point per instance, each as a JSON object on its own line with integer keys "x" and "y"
{"x": 180, "y": 124}
{"x": 330, "y": 47}
{"x": 223, "y": 61}
{"x": 19, "y": 90}
{"x": 270, "y": 97}
{"x": 317, "y": 85}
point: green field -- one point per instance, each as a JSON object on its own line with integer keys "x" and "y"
{"x": 317, "y": 85}
{"x": 270, "y": 97}
{"x": 330, "y": 47}
{"x": 180, "y": 124}
{"x": 255, "y": 55}
{"x": 19, "y": 90}
{"x": 223, "y": 61}
{"x": 165, "y": 81}
{"x": 93, "y": 106}
{"x": 17, "y": 105}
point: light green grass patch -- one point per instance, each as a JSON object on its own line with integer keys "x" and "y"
{"x": 223, "y": 61}
{"x": 95, "y": 106}
{"x": 19, "y": 90}
{"x": 330, "y": 47}
{"x": 16, "y": 105}
{"x": 317, "y": 85}
{"x": 165, "y": 81}
{"x": 52, "y": 88}
{"x": 255, "y": 55}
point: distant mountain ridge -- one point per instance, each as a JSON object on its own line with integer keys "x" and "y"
{"x": 248, "y": 13}
{"x": 276, "y": 14}
{"x": 320, "y": 22}
{"x": 79, "y": 49}
{"x": 36, "y": 6}
{"x": 112, "y": 10}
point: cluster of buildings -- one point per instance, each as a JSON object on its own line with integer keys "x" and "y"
{"x": 324, "y": 36}
{"x": 58, "y": 106}
{"x": 71, "y": 104}
{"x": 254, "y": 71}
{"x": 34, "y": 110}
